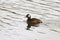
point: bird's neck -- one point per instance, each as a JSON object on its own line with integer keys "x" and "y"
{"x": 29, "y": 18}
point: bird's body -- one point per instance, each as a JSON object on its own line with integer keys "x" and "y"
{"x": 32, "y": 21}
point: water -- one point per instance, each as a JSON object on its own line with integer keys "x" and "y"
{"x": 13, "y": 21}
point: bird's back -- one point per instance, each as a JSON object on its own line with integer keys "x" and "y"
{"x": 34, "y": 21}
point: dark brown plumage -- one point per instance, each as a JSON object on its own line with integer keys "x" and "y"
{"x": 32, "y": 21}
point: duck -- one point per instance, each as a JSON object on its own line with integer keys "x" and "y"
{"x": 32, "y": 21}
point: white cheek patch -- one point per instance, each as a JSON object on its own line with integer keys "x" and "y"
{"x": 29, "y": 15}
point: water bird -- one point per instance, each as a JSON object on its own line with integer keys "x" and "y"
{"x": 32, "y": 21}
